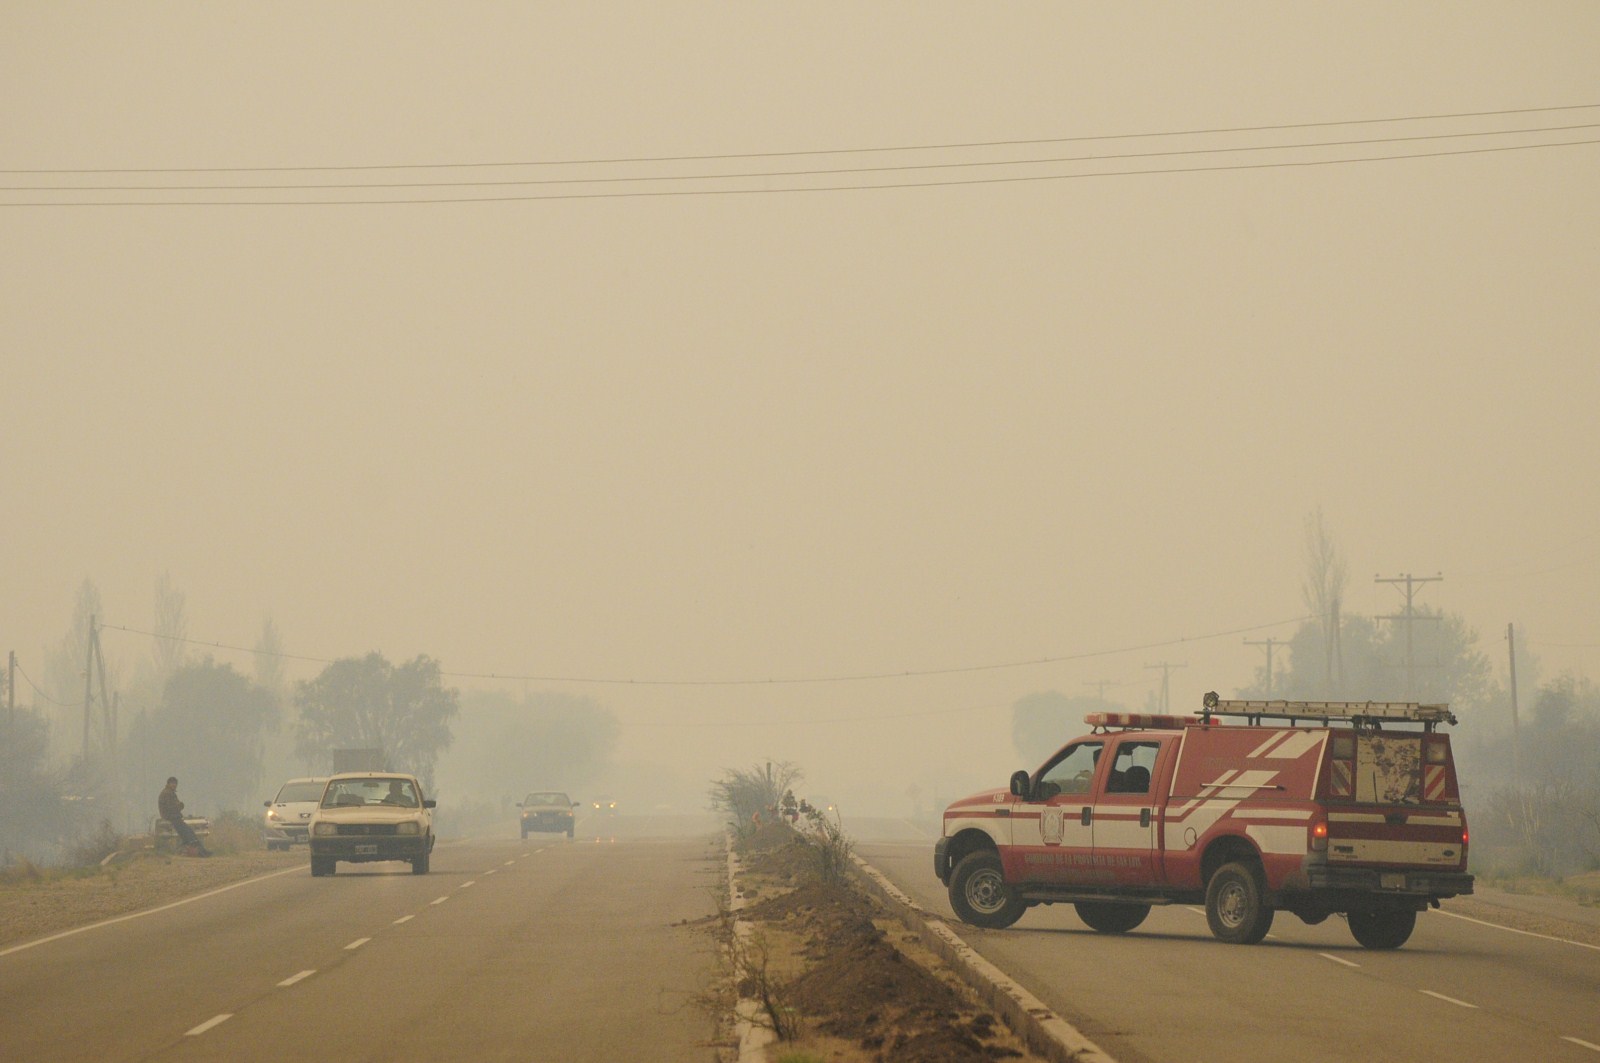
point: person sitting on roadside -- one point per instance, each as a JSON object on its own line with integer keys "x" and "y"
{"x": 171, "y": 810}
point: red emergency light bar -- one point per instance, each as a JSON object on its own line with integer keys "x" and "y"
{"x": 1141, "y": 720}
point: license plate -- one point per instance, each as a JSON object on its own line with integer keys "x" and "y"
{"x": 1395, "y": 881}
{"x": 362, "y": 850}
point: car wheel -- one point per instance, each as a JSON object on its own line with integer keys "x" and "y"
{"x": 1110, "y": 918}
{"x": 419, "y": 864}
{"x": 524, "y": 835}
{"x": 1235, "y": 905}
{"x": 1382, "y": 930}
{"x": 569, "y": 834}
{"x": 979, "y": 892}
{"x": 322, "y": 865}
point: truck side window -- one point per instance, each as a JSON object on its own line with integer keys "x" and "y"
{"x": 1130, "y": 771}
{"x": 1072, "y": 774}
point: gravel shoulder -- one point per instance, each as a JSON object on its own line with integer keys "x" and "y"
{"x": 32, "y": 909}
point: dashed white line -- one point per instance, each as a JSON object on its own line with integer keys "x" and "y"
{"x": 404, "y": 919}
{"x": 204, "y": 1026}
{"x": 292, "y": 979}
{"x": 1196, "y": 911}
{"x": 1447, "y": 1000}
{"x": 464, "y": 885}
{"x": 508, "y": 863}
{"x": 1338, "y": 959}
{"x": 356, "y": 944}
{"x": 491, "y": 871}
{"x": 1584, "y": 1044}
{"x": 440, "y": 900}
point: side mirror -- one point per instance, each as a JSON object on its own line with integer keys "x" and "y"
{"x": 574, "y": 804}
{"x": 519, "y": 804}
{"x": 1019, "y": 784}
{"x": 266, "y": 804}
{"x": 430, "y": 803}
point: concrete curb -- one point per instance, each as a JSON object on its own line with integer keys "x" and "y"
{"x": 1041, "y": 1028}
{"x": 752, "y": 1036}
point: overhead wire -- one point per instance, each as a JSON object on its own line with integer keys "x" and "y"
{"x": 730, "y": 156}
{"x": 776, "y": 681}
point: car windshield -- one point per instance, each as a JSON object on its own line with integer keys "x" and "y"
{"x": 300, "y": 791}
{"x": 395, "y": 793}
{"x": 547, "y": 799}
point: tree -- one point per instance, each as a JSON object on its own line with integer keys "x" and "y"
{"x": 368, "y": 703}
{"x": 1042, "y": 723}
{"x": 34, "y": 820}
{"x": 171, "y": 628}
{"x": 1323, "y": 592}
{"x": 269, "y": 659}
{"x": 207, "y": 730}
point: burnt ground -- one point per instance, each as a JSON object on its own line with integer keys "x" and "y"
{"x": 857, "y": 978}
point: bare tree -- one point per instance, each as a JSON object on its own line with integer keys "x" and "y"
{"x": 269, "y": 659}
{"x": 1323, "y": 592}
{"x": 171, "y": 628}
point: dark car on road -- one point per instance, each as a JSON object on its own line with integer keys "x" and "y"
{"x": 547, "y": 812}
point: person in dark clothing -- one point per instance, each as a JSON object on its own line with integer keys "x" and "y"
{"x": 171, "y": 810}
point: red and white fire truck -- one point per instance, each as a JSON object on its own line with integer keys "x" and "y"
{"x": 1311, "y": 807}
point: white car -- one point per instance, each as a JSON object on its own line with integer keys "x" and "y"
{"x": 288, "y": 816}
{"x": 372, "y": 815}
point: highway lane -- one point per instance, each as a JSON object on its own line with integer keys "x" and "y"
{"x": 547, "y": 949}
{"x": 1459, "y": 991}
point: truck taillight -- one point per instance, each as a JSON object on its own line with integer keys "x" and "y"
{"x": 1319, "y": 836}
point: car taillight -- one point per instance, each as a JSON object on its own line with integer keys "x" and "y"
{"x": 1319, "y": 836}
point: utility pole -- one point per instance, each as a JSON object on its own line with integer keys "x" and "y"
{"x": 1268, "y": 643}
{"x": 1099, "y": 687}
{"x": 1166, "y": 681}
{"x": 1516, "y": 738}
{"x": 1410, "y": 617}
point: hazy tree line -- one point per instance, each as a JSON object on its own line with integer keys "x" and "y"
{"x": 1532, "y": 792}
{"x": 232, "y": 736}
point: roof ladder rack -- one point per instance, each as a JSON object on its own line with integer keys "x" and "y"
{"x": 1360, "y": 712}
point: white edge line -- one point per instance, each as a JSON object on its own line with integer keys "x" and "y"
{"x": 215, "y": 1020}
{"x": 356, "y": 944}
{"x": 1447, "y": 1000}
{"x": 147, "y": 911}
{"x": 1497, "y": 926}
{"x": 292, "y": 979}
{"x": 1585, "y": 1044}
{"x": 1338, "y": 959}
{"x": 404, "y": 919}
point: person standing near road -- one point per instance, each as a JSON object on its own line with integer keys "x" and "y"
{"x": 171, "y": 810}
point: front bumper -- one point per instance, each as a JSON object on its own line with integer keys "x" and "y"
{"x": 552, "y": 822}
{"x": 941, "y": 860}
{"x": 358, "y": 849}
{"x": 285, "y": 835}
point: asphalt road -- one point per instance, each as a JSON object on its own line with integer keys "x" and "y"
{"x": 1459, "y": 991}
{"x": 508, "y": 950}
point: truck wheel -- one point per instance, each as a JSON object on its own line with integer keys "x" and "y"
{"x": 1235, "y": 908}
{"x": 1111, "y": 918}
{"x": 322, "y": 865}
{"x": 419, "y": 864}
{"x": 979, "y": 894}
{"x": 1382, "y": 930}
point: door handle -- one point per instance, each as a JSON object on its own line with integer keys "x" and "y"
{"x": 1088, "y": 814}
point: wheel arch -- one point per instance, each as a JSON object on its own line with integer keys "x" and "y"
{"x": 1227, "y": 849}
{"x": 970, "y": 840}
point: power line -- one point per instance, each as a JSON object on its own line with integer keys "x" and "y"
{"x": 41, "y": 693}
{"x": 783, "y": 681}
{"x": 684, "y": 193}
{"x": 755, "y": 174}
{"x": 724, "y": 157}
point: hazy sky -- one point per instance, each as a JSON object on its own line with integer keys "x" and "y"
{"x": 737, "y": 432}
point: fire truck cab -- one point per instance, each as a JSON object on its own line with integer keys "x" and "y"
{"x": 1253, "y": 807}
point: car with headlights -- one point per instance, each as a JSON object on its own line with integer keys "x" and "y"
{"x": 367, "y": 816}
{"x": 547, "y": 811}
{"x": 287, "y": 821}
{"x": 604, "y": 805}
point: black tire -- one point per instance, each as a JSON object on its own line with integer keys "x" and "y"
{"x": 323, "y": 865}
{"x": 569, "y": 833}
{"x": 1108, "y": 917}
{"x": 979, "y": 893}
{"x": 1382, "y": 930}
{"x": 524, "y": 835}
{"x": 419, "y": 864}
{"x": 1236, "y": 905}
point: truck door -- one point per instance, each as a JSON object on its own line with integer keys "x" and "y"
{"x": 1125, "y": 813}
{"x": 1052, "y": 830}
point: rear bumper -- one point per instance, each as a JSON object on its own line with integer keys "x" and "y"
{"x": 1375, "y": 881}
